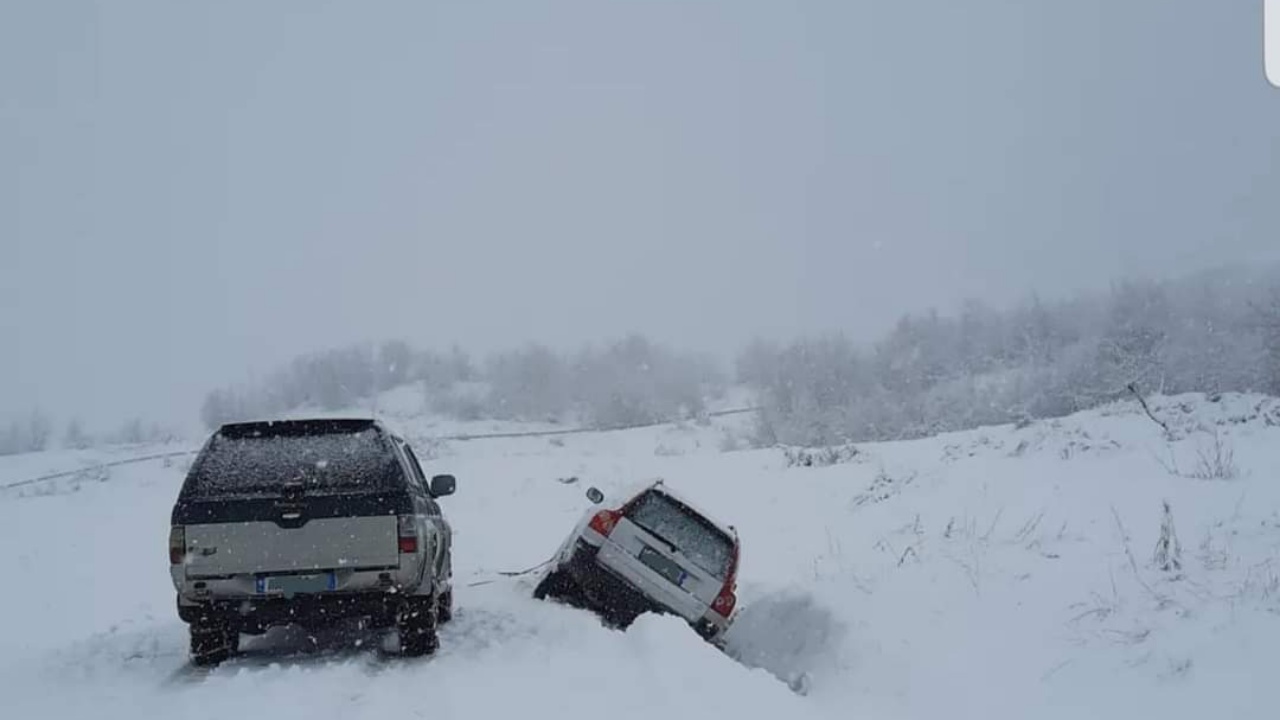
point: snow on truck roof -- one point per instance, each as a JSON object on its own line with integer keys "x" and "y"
{"x": 328, "y": 453}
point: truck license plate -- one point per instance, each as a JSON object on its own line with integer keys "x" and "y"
{"x": 293, "y": 584}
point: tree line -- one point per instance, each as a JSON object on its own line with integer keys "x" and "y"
{"x": 1212, "y": 332}
{"x": 35, "y": 433}
{"x": 628, "y": 381}
{"x": 1209, "y": 332}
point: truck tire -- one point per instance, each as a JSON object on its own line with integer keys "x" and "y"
{"x": 213, "y": 642}
{"x": 417, "y": 625}
{"x": 444, "y": 609}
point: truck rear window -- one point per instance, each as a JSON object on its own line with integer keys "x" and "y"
{"x": 248, "y": 464}
{"x": 694, "y": 536}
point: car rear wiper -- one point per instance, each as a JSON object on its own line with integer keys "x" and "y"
{"x": 657, "y": 535}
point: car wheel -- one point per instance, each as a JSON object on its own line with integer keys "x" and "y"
{"x": 417, "y": 625}
{"x": 554, "y": 584}
{"x": 213, "y": 642}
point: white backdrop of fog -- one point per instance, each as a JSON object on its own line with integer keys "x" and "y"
{"x": 194, "y": 192}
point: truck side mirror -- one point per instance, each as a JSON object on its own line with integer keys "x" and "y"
{"x": 442, "y": 485}
{"x": 595, "y": 496}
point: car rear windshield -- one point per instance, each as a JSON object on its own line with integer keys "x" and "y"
{"x": 251, "y": 464}
{"x": 694, "y": 536}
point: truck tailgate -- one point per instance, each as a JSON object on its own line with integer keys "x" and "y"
{"x": 233, "y": 548}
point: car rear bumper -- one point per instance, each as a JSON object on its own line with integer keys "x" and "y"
{"x": 616, "y": 598}
{"x": 607, "y": 592}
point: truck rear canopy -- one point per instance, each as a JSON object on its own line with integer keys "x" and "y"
{"x": 320, "y": 456}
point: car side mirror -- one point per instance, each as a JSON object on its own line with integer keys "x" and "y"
{"x": 595, "y": 496}
{"x": 442, "y": 485}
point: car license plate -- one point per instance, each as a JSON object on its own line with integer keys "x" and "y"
{"x": 293, "y": 584}
{"x": 662, "y": 565}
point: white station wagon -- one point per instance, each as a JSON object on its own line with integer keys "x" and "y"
{"x": 654, "y": 553}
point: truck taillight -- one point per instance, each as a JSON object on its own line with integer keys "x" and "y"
{"x": 177, "y": 544}
{"x": 604, "y": 521}
{"x": 408, "y": 534}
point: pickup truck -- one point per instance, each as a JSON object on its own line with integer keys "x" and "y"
{"x": 309, "y": 522}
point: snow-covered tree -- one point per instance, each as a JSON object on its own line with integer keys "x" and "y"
{"x": 395, "y": 364}
{"x": 1133, "y": 340}
{"x": 39, "y": 430}
{"x": 75, "y": 438}
{"x": 531, "y": 383}
{"x": 634, "y": 381}
{"x": 132, "y": 432}
{"x": 1209, "y": 332}
{"x": 11, "y": 439}
{"x": 1268, "y": 315}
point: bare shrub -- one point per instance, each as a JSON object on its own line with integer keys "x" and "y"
{"x": 882, "y": 487}
{"x": 1168, "y": 552}
{"x": 819, "y": 457}
{"x": 1214, "y": 556}
{"x": 1216, "y": 460}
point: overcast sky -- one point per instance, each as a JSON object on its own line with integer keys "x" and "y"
{"x": 193, "y": 191}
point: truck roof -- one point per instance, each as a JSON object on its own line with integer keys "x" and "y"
{"x": 321, "y": 454}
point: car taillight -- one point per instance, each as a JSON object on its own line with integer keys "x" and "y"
{"x": 604, "y": 521}
{"x": 725, "y": 602}
{"x": 177, "y": 544}
{"x": 408, "y": 533}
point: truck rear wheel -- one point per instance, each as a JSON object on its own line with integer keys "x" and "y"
{"x": 417, "y": 625}
{"x": 213, "y": 642}
{"x": 444, "y": 609}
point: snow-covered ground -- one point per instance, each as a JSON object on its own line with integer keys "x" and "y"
{"x": 997, "y": 573}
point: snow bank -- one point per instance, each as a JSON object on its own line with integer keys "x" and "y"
{"x": 791, "y": 635}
